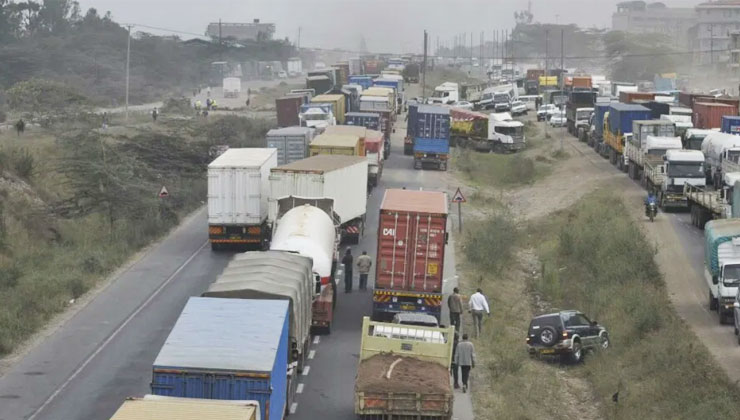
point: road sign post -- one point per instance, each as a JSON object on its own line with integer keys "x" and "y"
{"x": 459, "y": 199}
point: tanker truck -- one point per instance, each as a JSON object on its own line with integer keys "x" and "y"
{"x": 721, "y": 153}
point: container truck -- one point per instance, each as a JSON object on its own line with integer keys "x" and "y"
{"x": 273, "y": 275}
{"x": 619, "y": 123}
{"x": 412, "y": 234}
{"x": 295, "y": 67}
{"x": 694, "y": 137}
{"x": 288, "y": 108}
{"x": 596, "y": 136}
{"x": 666, "y": 176}
{"x": 709, "y": 115}
{"x": 385, "y": 93}
{"x": 649, "y": 137}
{"x": 374, "y": 151}
{"x": 238, "y": 189}
{"x": 338, "y": 103}
{"x": 682, "y": 123}
{"x": 445, "y": 94}
{"x": 338, "y": 144}
{"x": 411, "y": 123}
{"x": 731, "y": 124}
{"x": 578, "y": 110}
{"x": 229, "y": 349}
{"x": 411, "y": 73}
{"x": 291, "y": 143}
{"x": 431, "y": 136}
{"x": 337, "y": 177}
{"x": 404, "y": 372}
{"x": 157, "y": 407}
{"x": 365, "y": 81}
{"x": 722, "y": 265}
{"x": 232, "y": 87}
{"x": 721, "y": 151}
{"x": 318, "y": 116}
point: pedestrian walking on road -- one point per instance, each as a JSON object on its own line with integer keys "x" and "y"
{"x": 454, "y": 370}
{"x": 478, "y": 305}
{"x": 364, "y": 262}
{"x": 465, "y": 358}
{"x": 455, "y": 305}
{"x": 155, "y": 114}
{"x": 347, "y": 261}
{"x": 20, "y": 127}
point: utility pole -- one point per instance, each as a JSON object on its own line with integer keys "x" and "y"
{"x": 220, "y": 45}
{"x": 547, "y": 68}
{"x": 471, "y": 49}
{"x": 562, "y": 75}
{"x": 128, "y": 65}
{"x": 424, "y": 75}
{"x": 711, "y": 43}
{"x": 298, "y": 42}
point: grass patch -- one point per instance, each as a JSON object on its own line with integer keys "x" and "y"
{"x": 489, "y": 244}
{"x": 597, "y": 260}
{"x": 498, "y": 170}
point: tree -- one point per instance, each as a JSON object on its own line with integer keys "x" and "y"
{"x": 634, "y": 57}
{"x": 38, "y": 96}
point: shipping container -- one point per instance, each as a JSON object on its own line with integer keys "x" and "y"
{"x": 291, "y": 143}
{"x": 288, "y": 108}
{"x": 431, "y": 122}
{"x": 232, "y": 87}
{"x": 731, "y": 124}
{"x": 412, "y": 234}
{"x": 369, "y": 120}
{"x": 631, "y": 97}
{"x": 172, "y": 408}
{"x": 709, "y": 114}
{"x": 338, "y": 101}
{"x": 581, "y": 83}
{"x": 338, "y": 177}
{"x": 687, "y": 99}
{"x": 337, "y": 144}
{"x": 342, "y": 73}
{"x": 657, "y": 108}
{"x": 320, "y": 84}
{"x": 238, "y": 190}
{"x": 365, "y": 81}
{"x": 434, "y": 146}
{"x": 411, "y": 119}
{"x": 385, "y": 93}
{"x": 600, "y": 109}
{"x": 373, "y": 141}
{"x": 535, "y": 74}
{"x": 621, "y": 117}
{"x": 352, "y": 130}
{"x": 355, "y": 66}
{"x": 228, "y": 349}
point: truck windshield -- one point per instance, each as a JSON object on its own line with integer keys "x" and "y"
{"x": 583, "y": 115}
{"x": 686, "y": 170}
{"x": 501, "y": 98}
{"x": 656, "y": 152}
{"x": 510, "y": 131}
{"x": 694, "y": 142}
{"x": 731, "y": 275}
{"x": 314, "y": 117}
{"x": 732, "y": 155}
{"x": 440, "y": 94}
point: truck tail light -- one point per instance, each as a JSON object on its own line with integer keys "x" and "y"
{"x": 215, "y": 230}
{"x": 325, "y": 281}
{"x": 565, "y": 334}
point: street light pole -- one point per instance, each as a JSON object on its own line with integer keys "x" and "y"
{"x": 128, "y": 61}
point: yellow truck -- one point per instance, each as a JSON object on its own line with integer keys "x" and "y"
{"x": 337, "y": 101}
{"x": 337, "y": 144}
{"x": 385, "y": 92}
{"x": 158, "y": 407}
{"x": 404, "y": 372}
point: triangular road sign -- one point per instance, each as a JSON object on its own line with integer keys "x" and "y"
{"x": 163, "y": 192}
{"x": 458, "y": 197}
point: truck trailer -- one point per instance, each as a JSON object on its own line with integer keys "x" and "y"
{"x": 431, "y": 136}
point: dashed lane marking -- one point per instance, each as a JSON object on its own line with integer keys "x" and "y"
{"x": 311, "y": 354}
{"x": 293, "y": 408}
{"x": 306, "y": 370}
{"x": 316, "y": 339}
{"x": 299, "y": 389}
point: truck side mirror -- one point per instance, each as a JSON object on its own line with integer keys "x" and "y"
{"x": 715, "y": 280}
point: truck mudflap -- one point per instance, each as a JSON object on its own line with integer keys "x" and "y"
{"x": 387, "y": 303}
{"x": 253, "y": 237}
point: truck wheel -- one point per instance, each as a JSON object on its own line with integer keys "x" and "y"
{"x": 216, "y": 247}
{"x": 713, "y": 304}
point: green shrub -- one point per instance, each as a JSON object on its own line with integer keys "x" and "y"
{"x": 489, "y": 243}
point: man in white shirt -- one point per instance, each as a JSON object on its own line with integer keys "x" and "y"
{"x": 478, "y": 305}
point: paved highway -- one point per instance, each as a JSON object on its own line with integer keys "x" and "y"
{"x": 104, "y": 353}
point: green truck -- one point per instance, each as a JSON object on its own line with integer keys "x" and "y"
{"x": 404, "y": 372}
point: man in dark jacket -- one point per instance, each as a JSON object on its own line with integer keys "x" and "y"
{"x": 347, "y": 261}
{"x": 454, "y": 370}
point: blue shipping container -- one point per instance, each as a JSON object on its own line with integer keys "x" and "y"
{"x": 227, "y": 349}
{"x": 621, "y": 116}
{"x": 411, "y": 118}
{"x": 386, "y": 83}
{"x": 368, "y": 120}
{"x": 432, "y": 122}
{"x": 436, "y": 146}
{"x": 731, "y": 124}
{"x": 364, "y": 81}
{"x": 600, "y": 110}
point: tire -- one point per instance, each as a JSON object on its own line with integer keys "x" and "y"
{"x": 216, "y": 247}
{"x": 736, "y": 331}
{"x": 576, "y": 356}
{"x": 548, "y": 336}
{"x": 652, "y": 216}
{"x": 605, "y": 342}
{"x": 712, "y": 303}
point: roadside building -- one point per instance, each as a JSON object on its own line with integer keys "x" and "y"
{"x": 639, "y": 17}
{"x": 254, "y": 31}
{"x": 711, "y": 35}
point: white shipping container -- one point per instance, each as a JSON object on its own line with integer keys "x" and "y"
{"x": 295, "y": 66}
{"x": 238, "y": 186}
{"x": 374, "y": 103}
{"x": 232, "y": 86}
{"x": 341, "y": 178}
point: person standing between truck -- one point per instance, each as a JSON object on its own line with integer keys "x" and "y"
{"x": 454, "y": 371}
{"x": 478, "y": 305}
{"x": 364, "y": 262}
{"x": 465, "y": 358}
{"x": 455, "y": 305}
{"x": 347, "y": 261}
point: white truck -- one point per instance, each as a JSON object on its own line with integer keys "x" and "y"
{"x": 682, "y": 122}
{"x": 238, "y": 189}
{"x": 694, "y": 137}
{"x": 295, "y": 67}
{"x": 447, "y": 93}
{"x": 636, "y": 146}
{"x": 341, "y": 178}
{"x": 232, "y": 87}
{"x": 722, "y": 265}
{"x": 506, "y": 133}
{"x": 718, "y": 148}
{"x": 317, "y": 116}
{"x": 668, "y": 176}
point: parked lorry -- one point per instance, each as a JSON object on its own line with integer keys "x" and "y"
{"x": 338, "y": 103}
{"x": 721, "y": 151}
{"x": 403, "y": 372}
{"x": 596, "y": 137}
{"x": 578, "y": 109}
{"x": 291, "y": 143}
{"x": 338, "y": 177}
{"x": 237, "y": 198}
{"x": 411, "y": 73}
{"x": 667, "y": 176}
{"x": 318, "y": 116}
{"x": 694, "y": 137}
{"x": 374, "y": 151}
{"x": 386, "y": 93}
{"x": 722, "y": 265}
{"x": 229, "y": 349}
{"x": 682, "y": 123}
{"x": 294, "y": 66}
{"x": 649, "y": 138}
{"x": 617, "y": 124}
{"x": 288, "y": 108}
{"x": 445, "y": 94}
{"x": 158, "y": 407}
{"x": 338, "y": 143}
{"x": 431, "y": 136}
{"x": 412, "y": 234}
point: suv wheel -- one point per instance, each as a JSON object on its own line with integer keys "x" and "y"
{"x": 576, "y": 355}
{"x": 548, "y": 336}
{"x": 605, "y": 341}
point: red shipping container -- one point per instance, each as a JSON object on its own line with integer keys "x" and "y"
{"x": 708, "y": 115}
{"x": 581, "y": 82}
{"x": 412, "y": 232}
{"x": 631, "y": 97}
{"x": 728, "y": 101}
{"x": 288, "y": 108}
{"x": 688, "y": 99}
{"x": 373, "y": 141}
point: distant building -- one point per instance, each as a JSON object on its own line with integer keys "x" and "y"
{"x": 639, "y": 17}
{"x": 241, "y": 31}
{"x": 711, "y": 35}
{"x": 734, "y": 63}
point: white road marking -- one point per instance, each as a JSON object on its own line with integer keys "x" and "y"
{"x": 299, "y": 389}
{"x": 316, "y": 339}
{"x": 311, "y": 354}
{"x": 115, "y": 333}
{"x": 306, "y": 369}
{"x": 293, "y": 408}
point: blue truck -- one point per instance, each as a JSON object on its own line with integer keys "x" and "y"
{"x": 362, "y": 80}
{"x": 431, "y": 134}
{"x": 229, "y": 349}
{"x": 369, "y": 120}
{"x": 731, "y": 124}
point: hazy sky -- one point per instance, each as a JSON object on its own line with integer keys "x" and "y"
{"x": 387, "y": 25}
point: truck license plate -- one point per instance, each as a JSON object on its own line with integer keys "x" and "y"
{"x": 547, "y": 351}
{"x": 408, "y": 307}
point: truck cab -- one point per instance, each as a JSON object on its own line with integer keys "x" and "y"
{"x": 724, "y": 287}
{"x": 501, "y": 102}
{"x": 318, "y": 116}
{"x": 446, "y": 93}
{"x": 583, "y": 117}
{"x": 681, "y": 167}
{"x": 693, "y": 137}
{"x": 506, "y": 133}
